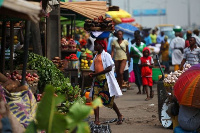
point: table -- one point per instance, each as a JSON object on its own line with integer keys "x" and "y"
{"x": 72, "y": 74}
{"x": 86, "y": 80}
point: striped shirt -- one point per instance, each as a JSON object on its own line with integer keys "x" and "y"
{"x": 192, "y": 57}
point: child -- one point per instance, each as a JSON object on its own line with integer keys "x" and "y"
{"x": 105, "y": 84}
{"x": 146, "y": 64}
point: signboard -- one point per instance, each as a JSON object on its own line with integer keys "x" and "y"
{"x": 149, "y": 12}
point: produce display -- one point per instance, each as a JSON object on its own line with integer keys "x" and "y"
{"x": 68, "y": 45}
{"x": 171, "y": 78}
{"x": 71, "y": 62}
{"x": 86, "y": 58}
{"x": 31, "y": 79}
{"x": 58, "y": 62}
{"x": 99, "y": 24}
{"x": 85, "y": 64}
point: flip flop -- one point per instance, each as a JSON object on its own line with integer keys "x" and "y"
{"x": 120, "y": 121}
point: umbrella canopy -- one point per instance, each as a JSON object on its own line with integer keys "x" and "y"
{"x": 126, "y": 28}
{"x": 187, "y": 87}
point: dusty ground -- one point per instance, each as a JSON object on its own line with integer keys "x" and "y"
{"x": 140, "y": 116}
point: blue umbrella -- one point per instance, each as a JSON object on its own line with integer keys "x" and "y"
{"x": 126, "y": 28}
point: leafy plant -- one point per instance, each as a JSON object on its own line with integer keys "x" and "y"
{"x": 49, "y": 120}
{"x": 47, "y": 71}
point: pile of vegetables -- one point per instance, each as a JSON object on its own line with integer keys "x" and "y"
{"x": 71, "y": 57}
{"x": 30, "y": 78}
{"x": 171, "y": 79}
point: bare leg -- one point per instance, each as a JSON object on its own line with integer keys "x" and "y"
{"x": 117, "y": 67}
{"x": 119, "y": 115}
{"x": 139, "y": 89}
{"x": 146, "y": 88}
{"x": 96, "y": 113}
{"x": 121, "y": 72}
{"x": 151, "y": 92}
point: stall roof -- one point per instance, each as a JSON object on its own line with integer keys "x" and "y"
{"x": 20, "y": 9}
{"x": 89, "y": 9}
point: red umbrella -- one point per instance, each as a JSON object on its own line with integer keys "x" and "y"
{"x": 187, "y": 87}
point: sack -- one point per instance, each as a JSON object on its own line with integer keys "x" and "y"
{"x": 145, "y": 71}
{"x": 132, "y": 77}
{"x": 99, "y": 128}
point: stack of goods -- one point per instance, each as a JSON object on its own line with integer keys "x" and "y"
{"x": 85, "y": 64}
{"x": 86, "y": 58}
{"x": 58, "y": 62}
{"x": 68, "y": 45}
{"x": 64, "y": 44}
{"x": 72, "y": 45}
{"x": 171, "y": 79}
{"x": 99, "y": 24}
{"x": 71, "y": 62}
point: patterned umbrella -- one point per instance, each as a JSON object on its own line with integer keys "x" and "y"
{"x": 127, "y": 28}
{"x": 187, "y": 87}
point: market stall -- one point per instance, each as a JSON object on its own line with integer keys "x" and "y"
{"x": 12, "y": 11}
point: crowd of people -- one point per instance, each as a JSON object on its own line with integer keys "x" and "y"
{"x": 105, "y": 65}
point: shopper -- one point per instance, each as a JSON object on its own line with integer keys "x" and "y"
{"x": 147, "y": 38}
{"x": 191, "y": 54}
{"x": 120, "y": 52}
{"x": 136, "y": 53}
{"x": 161, "y": 37}
{"x": 105, "y": 85}
{"x": 164, "y": 50}
{"x": 146, "y": 64}
{"x": 177, "y": 45}
{"x": 153, "y": 37}
{"x": 188, "y": 35}
{"x": 196, "y": 36}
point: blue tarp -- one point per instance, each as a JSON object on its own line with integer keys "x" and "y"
{"x": 126, "y": 28}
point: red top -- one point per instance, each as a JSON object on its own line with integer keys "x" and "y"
{"x": 187, "y": 44}
{"x": 148, "y": 61}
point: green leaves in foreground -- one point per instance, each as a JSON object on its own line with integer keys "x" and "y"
{"x": 79, "y": 112}
{"x": 49, "y": 120}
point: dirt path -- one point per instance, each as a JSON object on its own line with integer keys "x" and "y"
{"x": 140, "y": 116}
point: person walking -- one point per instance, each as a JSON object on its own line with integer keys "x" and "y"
{"x": 136, "y": 53}
{"x": 160, "y": 38}
{"x": 177, "y": 45}
{"x": 196, "y": 36}
{"x": 120, "y": 52}
{"x": 153, "y": 37}
{"x": 188, "y": 35}
{"x": 191, "y": 54}
{"x": 147, "y": 38}
{"x": 105, "y": 85}
{"x": 146, "y": 63}
{"x": 164, "y": 50}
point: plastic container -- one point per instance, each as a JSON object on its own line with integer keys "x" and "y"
{"x": 156, "y": 72}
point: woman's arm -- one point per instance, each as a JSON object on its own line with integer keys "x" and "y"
{"x": 112, "y": 53}
{"x": 128, "y": 56}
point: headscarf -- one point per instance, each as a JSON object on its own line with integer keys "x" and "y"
{"x": 146, "y": 48}
{"x": 102, "y": 43}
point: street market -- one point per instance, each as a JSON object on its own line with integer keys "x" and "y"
{"x": 62, "y": 62}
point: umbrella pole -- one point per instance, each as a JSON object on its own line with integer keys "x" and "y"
{"x": 26, "y": 45}
{"x": 160, "y": 68}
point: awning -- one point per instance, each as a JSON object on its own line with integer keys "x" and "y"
{"x": 89, "y": 9}
{"x": 20, "y": 9}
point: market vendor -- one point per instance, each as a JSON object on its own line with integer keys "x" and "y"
{"x": 191, "y": 54}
